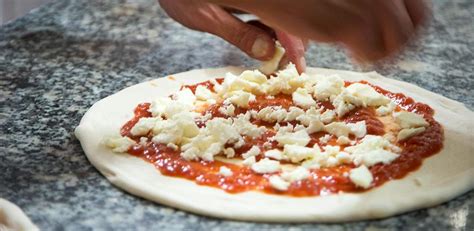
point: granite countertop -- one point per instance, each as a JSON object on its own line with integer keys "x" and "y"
{"x": 61, "y": 58}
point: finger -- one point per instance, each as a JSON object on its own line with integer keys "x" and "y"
{"x": 396, "y": 25}
{"x": 294, "y": 49}
{"x": 255, "y": 42}
{"x": 418, "y": 11}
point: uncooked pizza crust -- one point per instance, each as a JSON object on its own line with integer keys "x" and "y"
{"x": 13, "y": 218}
{"x": 441, "y": 177}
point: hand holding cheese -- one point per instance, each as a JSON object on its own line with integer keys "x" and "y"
{"x": 252, "y": 39}
{"x": 369, "y": 29}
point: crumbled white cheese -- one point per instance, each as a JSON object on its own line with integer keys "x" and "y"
{"x": 216, "y": 86}
{"x": 274, "y": 154}
{"x": 119, "y": 144}
{"x": 211, "y": 140}
{"x": 227, "y": 109}
{"x": 385, "y": 109}
{"x": 328, "y": 116}
{"x": 372, "y": 150}
{"x": 343, "y": 140}
{"x": 293, "y": 113}
{"x": 254, "y": 151}
{"x": 314, "y": 126}
{"x": 341, "y": 106}
{"x": 361, "y": 176}
{"x": 234, "y": 83}
{"x": 327, "y": 87}
{"x": 359, "y": 129}
{"x": 296, "y": 153}
{"x": 229, "y": 152}
{"x": 300, "y": 138}
{"x": 302, "y": 98}
{"x": 172, "y": 146}
{"x": 249, "y": 161}
{"x": 254, "y": 76}
{"x": 324, "y": 139}
{"x": 185, "y": 96}
{"x": 266, "y": 166}
{"x": 410, "y": 119}
{"x": 272, "y": 114}
{"x": 364, "y": 95}
{"x": 278, "y": 183}
{"x": 286, "y": 81}
{"x": 159, "y": 105}
{"x": 338, "y": 129}
{"x": 202, "y": 93}
{"x": 225, "y": 171}
{"x": 243, "y": 125}
{"x": 271, "y": 65}
{"x": 143, "y": 126}
{"x": 241, "y": 98}
{"x": 299, "y": 173}
{"x": 409, "y": 132}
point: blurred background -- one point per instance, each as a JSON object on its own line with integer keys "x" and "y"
{"x": 11, "y": 9}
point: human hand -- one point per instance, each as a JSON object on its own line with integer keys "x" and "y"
{"x": 369, "y": 29}
{"x": 255, "y": 39}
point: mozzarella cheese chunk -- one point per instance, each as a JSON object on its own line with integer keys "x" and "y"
{"x": 254, "y": 151}
{"x": 300, "y": 138}
{"x": 372, "y": 150}
{"x": 327, "y": 87}
{"x": 272, "y": 114}
{"x": 364, "y": 95}
{"x": 343, "y": 140}
{"x": 144, "y": 125}
{"x": 119, "y": 144}
{"x": 186, "y": 97}
{"x": 409, "y": 132}
{"x": 359, "y": 129}
{"x": 328, "y": 116}
{"x": 229, "y": 152}
{"x": 249, "y": 161}
{"x": 296, "y": 153}
{"x": 227, "y": 110}
{"x": 266, "y": 166}
{"x": 385, "y": 109}
{"x": 202, "y": 93}
{"x": 271, "y": 65}
{"x": 338, "y": 129}
{"x": 315, "y": 126}
{"x": 274, "y": 154}
{"x": 241, "y": 98}
{"x": 361, "y": 176}
{"x": 278, "y": 183}
{"x": 299, "y": 173}
{"x": 410, "y": 119}
{"x": 293, "y": 113}
{"x": 302, "y": 98}
{"x": 242, "y": 124}
{"x": 225, "y": 171}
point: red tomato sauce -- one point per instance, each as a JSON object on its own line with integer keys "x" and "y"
{"x": 321, "y": 181}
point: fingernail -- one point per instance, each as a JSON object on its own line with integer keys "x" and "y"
{"x": 260, "y": 47}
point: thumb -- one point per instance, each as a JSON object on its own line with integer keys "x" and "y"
{"x": 202, "y": 16}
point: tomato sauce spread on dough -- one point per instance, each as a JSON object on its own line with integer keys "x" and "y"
{"x": 321, "y": 181}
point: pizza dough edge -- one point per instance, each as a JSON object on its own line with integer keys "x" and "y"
{"x": 419, "y": 189}
{"x": 13, "y": 218}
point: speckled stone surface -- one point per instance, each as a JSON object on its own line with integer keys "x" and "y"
{"x": 58, "y": 60}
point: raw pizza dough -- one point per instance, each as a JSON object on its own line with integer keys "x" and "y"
{"x": 13, "y": 218}
{"x": 442, "y": 177}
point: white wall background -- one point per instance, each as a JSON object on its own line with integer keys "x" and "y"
{"x": 11, "y": 9}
